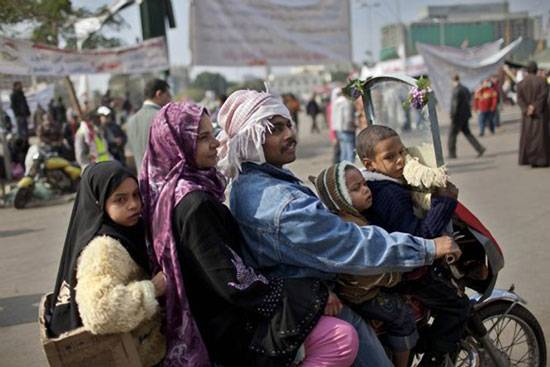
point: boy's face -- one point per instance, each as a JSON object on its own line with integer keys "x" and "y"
{"x": 280, "y": 144}
{"x": 361, "y": 197}
{"x": 389, "y": 158}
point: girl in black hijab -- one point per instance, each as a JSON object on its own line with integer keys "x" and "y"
{"x": 103, "y": 280}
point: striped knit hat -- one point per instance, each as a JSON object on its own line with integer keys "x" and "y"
{"x": 331, "y": 187}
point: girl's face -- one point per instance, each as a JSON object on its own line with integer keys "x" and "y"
{"x": 124, "y": 204}
{"x": 206, "y": 153}
{"x": 361, "y": 197}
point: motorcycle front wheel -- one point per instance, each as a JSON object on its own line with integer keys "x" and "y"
{"x": 22, "y": 197}
{"x": 516, "y": 334}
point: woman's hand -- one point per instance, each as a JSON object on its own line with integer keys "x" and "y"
{"x": 159, "y": 282}
{"x": 334, "y": 305}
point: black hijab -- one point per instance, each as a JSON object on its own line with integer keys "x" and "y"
{"x": 88, "y": 220}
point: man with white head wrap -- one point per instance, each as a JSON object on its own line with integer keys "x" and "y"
{"x": 287, "y": 229}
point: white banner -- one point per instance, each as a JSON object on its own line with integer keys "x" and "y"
{"x": 473, "y": 65}
{"x": 412, "y": 66}
{"x": 25, "y": 58}
{"x": 270, "y": 32}
{"x": 40, "y": 96}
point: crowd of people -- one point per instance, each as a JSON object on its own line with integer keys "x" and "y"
{"x": 529, "y": 90}
{"x": 283, "y": 277}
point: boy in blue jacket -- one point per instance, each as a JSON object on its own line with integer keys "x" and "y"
{"x": 383, "y": 155}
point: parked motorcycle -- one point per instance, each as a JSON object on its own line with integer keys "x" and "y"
{"x": 500, "y": 330}
{"x": 49, "y": 172}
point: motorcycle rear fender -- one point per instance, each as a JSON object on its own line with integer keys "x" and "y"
{"x": 25, "y": 182}
{"x": 497, "y": 295}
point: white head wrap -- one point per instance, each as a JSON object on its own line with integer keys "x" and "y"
{"x": 244, "y": 118}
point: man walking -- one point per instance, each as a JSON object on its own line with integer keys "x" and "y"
{"x": 485, "y": 101}
{"x": 534, "y": 143}
{"x": 344, "y": 125}
{"x": 21, "y": 110}
{"x": 312, "y": 109}
{"x": 157, "y": 94}
{"x": 460, "y": 116}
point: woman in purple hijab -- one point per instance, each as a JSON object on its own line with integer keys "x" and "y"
{"x": 219, "y": 310}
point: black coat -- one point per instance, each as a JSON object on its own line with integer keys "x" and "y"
{"x": 460, "y": 104}
{"x": 243, "y": 319}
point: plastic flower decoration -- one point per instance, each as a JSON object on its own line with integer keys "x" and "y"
{"x": 354, "y": 89}
{"x": 418, "y": 95}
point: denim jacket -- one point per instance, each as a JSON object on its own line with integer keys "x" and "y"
{"x": 290, "y": 233}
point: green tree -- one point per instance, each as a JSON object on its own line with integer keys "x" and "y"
{"x": 51, "y": 20}
{"x": 254, "y": 84}
{"x": 339, "y": 76}
{"x": 211, "y": 81}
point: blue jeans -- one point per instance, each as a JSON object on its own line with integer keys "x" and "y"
{"x": 371, "y": 352}
{"x": 486, "y": 118}
{"x": 346, "y": 139}
{"x": 397, "y": 316}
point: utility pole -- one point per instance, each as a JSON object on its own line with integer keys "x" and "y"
{"x": 369, "y": 6}
{"x": 153, "y": 19}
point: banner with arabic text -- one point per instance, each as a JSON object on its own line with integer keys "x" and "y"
{"x": 22, "y": 57}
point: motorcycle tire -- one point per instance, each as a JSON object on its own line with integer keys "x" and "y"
{"x": 22, "y": 197}
{"x": 516, "y": 333}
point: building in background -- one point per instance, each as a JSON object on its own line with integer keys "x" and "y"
{"x": 301, "y": 81}
{"x": 467, "y": 25}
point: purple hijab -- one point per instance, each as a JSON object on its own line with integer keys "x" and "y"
{"x": 168, "y": 173}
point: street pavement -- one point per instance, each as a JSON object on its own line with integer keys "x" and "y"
{"x": 512, "y": 201}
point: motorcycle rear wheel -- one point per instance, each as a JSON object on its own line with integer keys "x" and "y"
{"x": 517, "y": 335}
{"x": 22, "y": 197}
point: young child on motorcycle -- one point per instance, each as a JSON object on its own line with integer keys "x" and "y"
{"x": 383, "y": 155}
{"x": 344, "y": 191}
{"x": 104, "y": 281}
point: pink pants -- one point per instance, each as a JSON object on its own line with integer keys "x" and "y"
{"x": 331, "y": 343}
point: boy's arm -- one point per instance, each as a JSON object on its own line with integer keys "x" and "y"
{"x": 439, "y": 215}
{"x": 394, "y": 207}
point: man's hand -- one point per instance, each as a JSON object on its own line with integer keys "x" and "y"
{"x": 530, "y": 110}
{"x": 159, "y": 282}
{"x": 445, "y": 245}
{"x": 450, "y": 191}
{"x": 334, "y": 305}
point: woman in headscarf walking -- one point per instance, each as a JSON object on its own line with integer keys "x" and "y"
{"x": 219, "y": 310}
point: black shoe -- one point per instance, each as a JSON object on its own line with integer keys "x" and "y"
{"x": 480, "y": 153}
{"x": 451, "y": 156}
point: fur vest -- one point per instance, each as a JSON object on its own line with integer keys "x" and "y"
{"x": 114, "y": 296}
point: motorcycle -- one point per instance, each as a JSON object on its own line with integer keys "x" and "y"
{"x": 500, "y": 330}
{"x": 48, "y": 173}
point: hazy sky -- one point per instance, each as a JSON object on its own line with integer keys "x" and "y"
{"x": 366, "y": 22}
